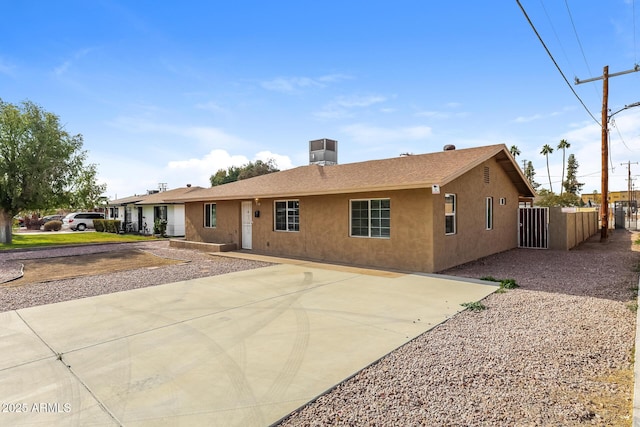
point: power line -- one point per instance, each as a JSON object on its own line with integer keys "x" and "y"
{"x": 633, "y": 11}
{"x": 577, "y": 38}
{"x": 575, "y": 31}
{"x": 555, "y": 63}
{"x": 564, "y": 52}
{"x": 613, "y": 123}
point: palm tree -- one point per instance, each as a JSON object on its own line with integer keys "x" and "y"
{"x": 563, "y": 146}
{"x": 514, "y": 151}
{"x": 546, "y": 150}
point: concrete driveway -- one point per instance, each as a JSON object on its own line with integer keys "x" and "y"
{"x": 241, "y": 349}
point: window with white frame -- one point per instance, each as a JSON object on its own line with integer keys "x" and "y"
{"x": 160, "y": 212}
{"x": 450, "y": 213}
{"x": 113, "y": 212}
{"x": 489, "y": 213}
{"x": 210, "y": 217}
{"x": 287, "y": 215}
{"x": 371, "y": 218}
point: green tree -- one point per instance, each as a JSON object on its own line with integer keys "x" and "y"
{"x": 84, "y": 192}
{"x": 249, "y": 170}
{"x": 571, "y": 185}
{"x": 546, "y": 150}
{"x": 530, "y": 173}
{"x": 563, "y": 145}
{"x": 40, "y": 163}
{"x": 514, "y": 151}
{"x": 225, "y": 176}
{"x": 550, "y": 199}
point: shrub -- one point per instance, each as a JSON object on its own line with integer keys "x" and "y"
{"x": 160, "y": 227}
{"x": 98, "y": 224}
{"x": 508, "y": 284}
{"x": 107, "y": 225}
{"x": 32, "y": 222}
{"x": 504, "y": 283}
{"x": 54, "y": 225}
{"x": 474, "y": 306}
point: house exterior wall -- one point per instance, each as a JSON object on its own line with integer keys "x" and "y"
{"x": 325, "y": 230}
{"x": 228, "y": 223}
{"x": 472, "y": 240}
{"x": 417, "y": 225}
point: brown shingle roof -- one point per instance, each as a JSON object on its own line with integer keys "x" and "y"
{"x": 415, "y": 171}
{"x": 167, "y": 196}
{"x": 155, "y": 198}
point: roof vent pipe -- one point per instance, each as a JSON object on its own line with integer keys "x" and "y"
{"x": 449, "y": 147}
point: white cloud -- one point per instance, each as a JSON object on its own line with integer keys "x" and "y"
{"x": 211, "y": 106}
{"x": 342, "y": 106}
{"x": 64, "y": 67}
{"x": 288, "y": 85}
{"x": 586, "y": 145}
{"x": 282, "y": 162}
{"x": 6, "y": 68}
{"x": 206, "y": 136}
{"x": 538, "y": 116}
{"x": 442, "y": 115}
{"x": 358, "y": 101}
{"x": 523, "y": 119}
{"x": 197, "y": 171}
{"x": 365, "y": 133}
{"x": 128, "y": 176}
{"x": 293, "y": 84}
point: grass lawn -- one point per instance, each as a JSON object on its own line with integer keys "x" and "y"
{"x": 56, "y": 239}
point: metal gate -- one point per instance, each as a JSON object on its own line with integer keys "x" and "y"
{"x": 534, "y": 228}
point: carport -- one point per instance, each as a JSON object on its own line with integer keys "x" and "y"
{"x": 241, "y": 349}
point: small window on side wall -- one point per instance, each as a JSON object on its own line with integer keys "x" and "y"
{"x": 210, "y": 217}
{"x": 489, "y": 213}
{"x": 450, "y": 206}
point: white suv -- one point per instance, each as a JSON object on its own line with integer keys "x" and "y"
{"x": 80, "y": 220}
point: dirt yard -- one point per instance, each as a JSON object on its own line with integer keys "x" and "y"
{"x": 66, "y": 267}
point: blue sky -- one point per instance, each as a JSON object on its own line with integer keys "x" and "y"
{"x": 173, "y": 91}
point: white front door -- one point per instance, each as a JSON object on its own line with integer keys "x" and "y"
{"x": 247, "y": 221}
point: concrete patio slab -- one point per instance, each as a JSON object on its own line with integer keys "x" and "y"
{"x": 241, "y": 349}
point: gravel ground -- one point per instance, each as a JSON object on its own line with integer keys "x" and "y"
{"x": 557, "y": 351}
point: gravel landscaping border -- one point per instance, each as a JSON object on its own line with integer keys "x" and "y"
{"x": 557, "y": 351}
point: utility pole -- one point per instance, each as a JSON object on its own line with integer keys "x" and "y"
{"x": 628, "y": 213}
{"x": 604, "y": 181}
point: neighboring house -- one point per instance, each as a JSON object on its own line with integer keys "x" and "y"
{"x": 138, "y": 213}
{"x": 420, "y": 213}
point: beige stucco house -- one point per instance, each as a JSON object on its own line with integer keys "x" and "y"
{"x": 420, "y": 213}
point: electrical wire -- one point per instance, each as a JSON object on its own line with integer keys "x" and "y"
{"x": 613, "y": 123}
{"x": 577, "y": 38}
{"x": 575, "y": 31}
{"x": 564, "y": 52}
{"x": 635, "y": 50}
{"x": 555, "y": 63}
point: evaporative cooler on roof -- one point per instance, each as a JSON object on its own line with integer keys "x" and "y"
{"x": 323, "y": 152}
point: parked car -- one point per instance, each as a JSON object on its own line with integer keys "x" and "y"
{"x": 80, "y": 220}
{"x": 46, "y": 219}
